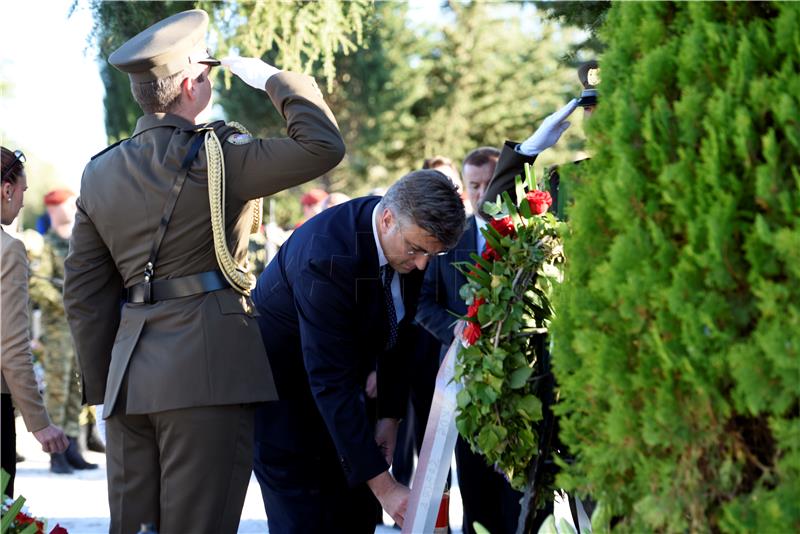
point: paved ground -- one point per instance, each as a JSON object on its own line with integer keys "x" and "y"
{"x": 79, "y": 502}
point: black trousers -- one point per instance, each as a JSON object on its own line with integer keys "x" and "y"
{"x": 8, "y": 447}
{"x": 302, "y": 482}
{"x": 487, "y": 497}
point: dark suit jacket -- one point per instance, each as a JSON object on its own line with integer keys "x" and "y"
{"x": 324, "y": 324}
{"x": 440, "y": 289}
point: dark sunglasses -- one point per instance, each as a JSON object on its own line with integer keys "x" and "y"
{"x": 18, "y": 157}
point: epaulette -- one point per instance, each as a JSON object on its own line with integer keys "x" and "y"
{"x": 109, "y": 147}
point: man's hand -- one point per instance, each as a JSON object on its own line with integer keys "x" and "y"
{"x": 392, "y": 495}
{"x": 549, "y": 132}
{"x": 251, "y": 70}
{"x": 371, "y": 388}
{"x": 386, "y": 437}
{"x": 52, "y": 439}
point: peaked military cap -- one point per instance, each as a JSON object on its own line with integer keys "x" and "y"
{"x": 165, "y": 48}
{"x": 589, "y": 76}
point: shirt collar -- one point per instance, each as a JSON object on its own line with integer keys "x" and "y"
{"x": 381, "y": 256}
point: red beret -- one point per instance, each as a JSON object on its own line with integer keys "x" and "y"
{"x": 57, "y": 197}
{"x": 313, "y": 196}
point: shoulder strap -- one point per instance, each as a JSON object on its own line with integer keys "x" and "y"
{"x": 109, "y": 147}
{"x": 169, "y": 208}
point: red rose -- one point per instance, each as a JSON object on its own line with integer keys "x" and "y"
{"x": 539, "y": 201}
{"x": 58, "y": 529}
{"x": 504, "y": 226}
{"x": 490, "y": 254}
{"x": 472, "y": 311}
{"x": 471, "y": 333}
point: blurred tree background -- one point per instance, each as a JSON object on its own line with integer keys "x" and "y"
{"x": 34, "y": 166}
{"x": 402, "y": 88}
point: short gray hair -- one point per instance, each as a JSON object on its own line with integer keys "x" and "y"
{"x": 428, "y": 199}
{"x": 159, "y": 96}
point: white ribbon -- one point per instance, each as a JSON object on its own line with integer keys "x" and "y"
{"x": 437, "y": 450}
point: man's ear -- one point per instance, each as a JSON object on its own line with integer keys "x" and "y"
{"x": 7, "y": 190}
{"x": 188, "y": 89}
{"x": 387, "y": 218}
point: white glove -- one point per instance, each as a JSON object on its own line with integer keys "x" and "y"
{"x": 251, "y": 70}
{"x": 549, "y": 131}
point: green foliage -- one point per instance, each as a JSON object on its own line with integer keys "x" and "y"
{"x": 304, "y": 34}
{"x": 587, "y": 15}
{"x": 508, "y": 290}
{"x": 677, "y": 341}
{"x": 414, "y": 91}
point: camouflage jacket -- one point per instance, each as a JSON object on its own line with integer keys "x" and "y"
{"x": 47, "y": 276}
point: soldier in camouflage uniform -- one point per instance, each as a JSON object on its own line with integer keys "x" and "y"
{"x": 257, "y": 252}
{"x": 62, "y": 385}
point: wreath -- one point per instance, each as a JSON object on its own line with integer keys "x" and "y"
{"x": 508, "y": 292}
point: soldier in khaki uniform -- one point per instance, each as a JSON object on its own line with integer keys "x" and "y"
{"x": 159, "y": 310}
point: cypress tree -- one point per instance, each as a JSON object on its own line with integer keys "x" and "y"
{"x": 677, "y": 345}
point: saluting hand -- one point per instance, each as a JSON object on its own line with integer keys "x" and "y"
{"x": 549, "y": 132}
{"x": 251, "y": 70}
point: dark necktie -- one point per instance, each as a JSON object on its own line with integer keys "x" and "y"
{"x": 386, "y": 277}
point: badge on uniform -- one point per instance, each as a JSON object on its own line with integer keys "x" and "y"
{"x": 239, "y": 138}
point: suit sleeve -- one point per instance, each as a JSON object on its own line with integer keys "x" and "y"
{"x": 432, "y": 313}
{"x": 325, "y": 310}
{"x": 313, "y": 146}
{"x": 17, "y": 360}
{"x": 92, "y": 293}
{"x": 510, "y": 165}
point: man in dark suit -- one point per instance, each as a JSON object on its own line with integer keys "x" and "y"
{"x": 335, "y": 304}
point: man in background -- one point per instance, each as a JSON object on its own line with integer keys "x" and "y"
{"x": 62, "y": 383}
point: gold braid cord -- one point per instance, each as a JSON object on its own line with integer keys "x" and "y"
{"x": 239, "y": 279}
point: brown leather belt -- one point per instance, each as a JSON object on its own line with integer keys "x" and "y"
{"x": 173, "y": 288}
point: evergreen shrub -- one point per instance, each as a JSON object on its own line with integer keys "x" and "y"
{"x": 677, "y": 336}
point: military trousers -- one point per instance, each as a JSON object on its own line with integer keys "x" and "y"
{"x": 182, "y": 470}
{"x": 62, "y": 395}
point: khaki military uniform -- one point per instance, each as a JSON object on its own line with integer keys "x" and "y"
{"x": 175, "y": 375}
{"x": 62, "y": 386}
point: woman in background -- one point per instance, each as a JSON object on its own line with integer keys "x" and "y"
{"x": 16, "y": 363}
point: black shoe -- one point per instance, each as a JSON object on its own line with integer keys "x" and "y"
{"x": 94, "y": 442}
{"x": 20, "y": 458}
{"x": 90, "y": 440}
{"x": 59, "y": 464}
{"x": 74, "y": 456}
